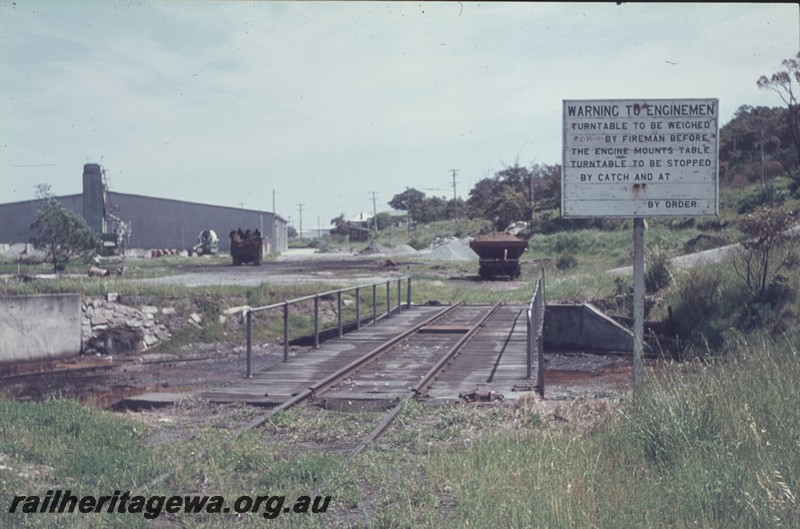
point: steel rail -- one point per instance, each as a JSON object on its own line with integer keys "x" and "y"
{"x": 345, "y": 372}
{"x": 430, "y": 376}
{"x": 425, "y": 382}
{"x": 417, "y": 391}
{"x": 331, "y": 380}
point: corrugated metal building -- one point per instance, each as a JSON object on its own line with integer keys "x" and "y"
{"x": 156, "y": 223}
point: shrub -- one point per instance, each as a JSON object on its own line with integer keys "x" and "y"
{"x": 657, "y": 274}
{"x": 705, "y": 306}
{"x": 566, "y": 261}
{"x": 766, "y": 250}
{"x": 768, "y": 195}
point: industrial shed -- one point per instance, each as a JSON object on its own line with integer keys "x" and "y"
{"x": 155, "y": 223}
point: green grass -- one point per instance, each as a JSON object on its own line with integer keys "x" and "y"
{"x": 714, "y": 447}
{"x": 61, "y": 444}
{"x": 704, "y": 444}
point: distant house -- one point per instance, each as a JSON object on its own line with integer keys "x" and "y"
{"x": 359, "y": 234}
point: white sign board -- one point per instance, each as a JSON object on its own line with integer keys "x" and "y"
{"x": 640, "y": 158}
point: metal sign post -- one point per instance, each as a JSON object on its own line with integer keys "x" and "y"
{"x": 632, "y": 158}
{"x": 638, "y": 299}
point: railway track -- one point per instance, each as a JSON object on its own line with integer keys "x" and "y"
{"x": 412, "y": 360}
{"x": 407, "y": 362}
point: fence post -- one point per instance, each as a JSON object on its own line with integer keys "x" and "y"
{"x": 339, "y": 310}
{"x": 286, "y": 331}
{"x": 249, "y": 342}
{"x": 408, "y": 293}
{"x": 399, "y": 295}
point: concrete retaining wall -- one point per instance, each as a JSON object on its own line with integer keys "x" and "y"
{"x": 40, "y": 326}
{"x": 584, "y": 328}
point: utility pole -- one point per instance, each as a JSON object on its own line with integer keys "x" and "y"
{"x": 374, "y": 211}
{"x": 530, "y": 193}
{"x": 455, "y": 200}
{"x": 301, "y": 219}
{"x": 408, "y": 211}
{"x": 274, "y": 222}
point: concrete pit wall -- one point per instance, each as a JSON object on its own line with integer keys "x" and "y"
{"x": 584, "y": 328}
{"x": 39, "y": 327}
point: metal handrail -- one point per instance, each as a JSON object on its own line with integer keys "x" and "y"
{"x": 535, "y": 338}
{"x": 247, "y": 313}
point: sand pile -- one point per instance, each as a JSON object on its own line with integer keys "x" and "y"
{"x": 452, "y": 249}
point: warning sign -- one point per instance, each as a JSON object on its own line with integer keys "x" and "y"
{"x": 640, "y": 158}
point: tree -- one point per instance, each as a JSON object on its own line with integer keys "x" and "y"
{"x": 755, "y": 145}
{"x": 340, "y": 226}
{"x": 62, "y": 233}
{"x": 520, "y": 180}
{"x": 384, "y": 220}
{"x": 481, "y": 197}
{"x": 546, "y": 186}
{"x": 508, "y": 206}
{"x": 432, "y": 209}
{"x": 409, "y": 200}
{"x": 782, "y": 83}
{"x": 538, "y": 188}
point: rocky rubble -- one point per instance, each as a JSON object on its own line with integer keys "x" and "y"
{"x": 109, "y": 327}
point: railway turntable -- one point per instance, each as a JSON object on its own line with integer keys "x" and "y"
{"x": 426, "y": 352}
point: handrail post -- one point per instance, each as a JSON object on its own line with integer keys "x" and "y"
{"x": 316, "y": 321}
{"x": 247, "y": 314}
{"x": 529, "y": 348}
{"x": 388, "y": 299}
{"x": 374, "y": 303}
{"x": 339, "y": 310}
{"x": 358, "y": 308}
{"x": 286, "y": 332}
{"x": 249, "y": 342}
{"x": 540, "y": 345}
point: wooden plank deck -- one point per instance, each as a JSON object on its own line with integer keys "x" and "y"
{"x": 274, "y": 385}
{"x": 494, "y": 359}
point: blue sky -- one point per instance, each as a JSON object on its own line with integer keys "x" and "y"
{"x": 328, "y": 104}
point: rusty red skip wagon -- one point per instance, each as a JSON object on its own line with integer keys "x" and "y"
{"x": 498, "y": 254}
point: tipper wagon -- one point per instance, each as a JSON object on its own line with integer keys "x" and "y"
{"x": 498, "y": 254}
